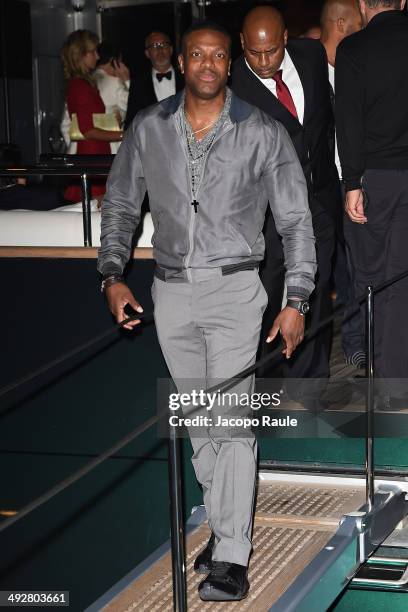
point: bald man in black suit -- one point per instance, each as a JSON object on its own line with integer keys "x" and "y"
{"x": 288, "y": 79}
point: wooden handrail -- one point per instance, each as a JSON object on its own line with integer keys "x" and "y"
{"x": 64, "y": 252}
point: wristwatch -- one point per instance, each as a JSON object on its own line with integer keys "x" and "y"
{"x": 302, "y": 306}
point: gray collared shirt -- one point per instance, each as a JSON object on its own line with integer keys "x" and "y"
{"x": 199, "y": 149}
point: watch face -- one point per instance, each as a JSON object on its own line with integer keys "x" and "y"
{"x": 304, "y": 307}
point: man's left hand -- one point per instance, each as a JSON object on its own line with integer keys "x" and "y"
{"x": 291, "y": 325}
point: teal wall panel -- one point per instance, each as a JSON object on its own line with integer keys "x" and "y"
{"x": 392, "y": 453}
{"x": 371, "y": 601}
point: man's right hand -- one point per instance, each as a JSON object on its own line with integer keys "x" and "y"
{"x": 355, "y": 206}
{"x": 118, "y": 296}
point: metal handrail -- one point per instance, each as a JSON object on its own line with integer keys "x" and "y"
{"x": 370, "y": 398}
{"x": 81, "y": 171}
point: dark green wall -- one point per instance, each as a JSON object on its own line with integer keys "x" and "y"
{"x": 89, "y": 536}
{"x": 371, "y": 601}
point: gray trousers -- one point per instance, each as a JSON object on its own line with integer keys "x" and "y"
{"x": 208, "y": 330}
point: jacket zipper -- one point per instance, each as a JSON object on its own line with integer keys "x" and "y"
{"x": 191, "y": 219}
{"x": 189, "y": 254}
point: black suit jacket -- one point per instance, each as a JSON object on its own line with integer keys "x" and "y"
{"x": 311, "y": 140}
{"x": 141, "y": 93}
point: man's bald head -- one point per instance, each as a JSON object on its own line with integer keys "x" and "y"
{"x": 257, "y": 17}
{"x": 340, "y": 18}
{"x": 263, "y": 39}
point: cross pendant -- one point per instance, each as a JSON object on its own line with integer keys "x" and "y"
{"x": 195, "y": 204}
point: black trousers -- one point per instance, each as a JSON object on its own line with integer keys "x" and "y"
{"x": 379, "y": 250}
{"x": 311, "y": 359}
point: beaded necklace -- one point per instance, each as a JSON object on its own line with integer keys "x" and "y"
{"x": 196, "y": 166}
{"x": 198, "y": 150}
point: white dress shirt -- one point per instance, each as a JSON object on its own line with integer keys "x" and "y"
{"x": 336, "y": 151}
{"x": 166, "y": 87}
{"x": 292, "y": 81}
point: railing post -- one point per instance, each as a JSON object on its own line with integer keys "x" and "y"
{"x": 86, "y": 209}
{"x": 177, "y": 524}
{"x": 4, "y": 71}
{"x": 370, "y": 398}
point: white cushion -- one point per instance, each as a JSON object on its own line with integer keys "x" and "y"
{"x": 59, "y": 227}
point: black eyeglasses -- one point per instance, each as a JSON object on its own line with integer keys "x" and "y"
{"x": 159, "y": 45}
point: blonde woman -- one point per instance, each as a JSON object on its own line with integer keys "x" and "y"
{"x": 79, "y": 57}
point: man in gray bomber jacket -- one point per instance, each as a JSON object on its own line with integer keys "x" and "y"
{"x": 210, "y": 163}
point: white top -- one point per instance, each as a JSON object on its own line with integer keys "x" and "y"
{"x": 64, "y": 127}
{"x": 166, "y": 87}
{"x": 292, "y": 81}
{"x": 114, "y": 92}
{"x": 336, "y": 151}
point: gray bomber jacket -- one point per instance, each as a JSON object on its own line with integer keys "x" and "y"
{"x": 252, "y": 161}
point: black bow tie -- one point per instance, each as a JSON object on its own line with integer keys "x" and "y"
{"x": 166, "y": 75}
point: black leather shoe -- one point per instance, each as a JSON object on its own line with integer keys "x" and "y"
{"x": 203, "y": 563}
{"x": 225, "y": 582}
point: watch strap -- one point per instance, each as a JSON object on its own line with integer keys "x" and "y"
{"x": 302, "y": 306}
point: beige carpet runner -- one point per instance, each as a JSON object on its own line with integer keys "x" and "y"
{"x": 292, "y": 524}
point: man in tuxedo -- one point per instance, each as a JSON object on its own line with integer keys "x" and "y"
{"x": 340, "y": 18}
{"x": 289, "y": 81}
{"x": 158, "y": 83}
{"x": 372, "y": 134}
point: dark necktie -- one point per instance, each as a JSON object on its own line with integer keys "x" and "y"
{"x": 283, "y": 94}
{"x": 166, "y": 75}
